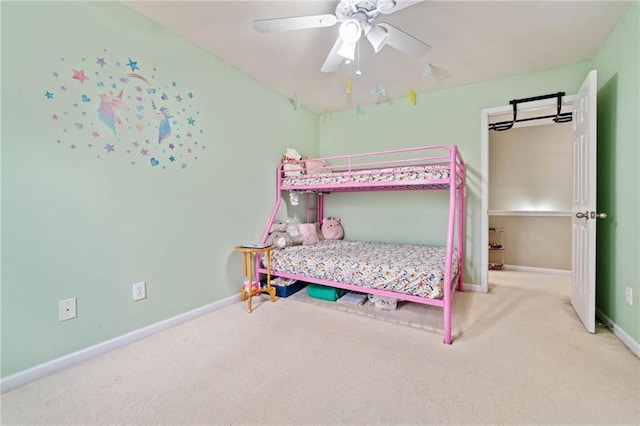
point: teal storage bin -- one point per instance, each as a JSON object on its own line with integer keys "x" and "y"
{"x": 323, "y": 292}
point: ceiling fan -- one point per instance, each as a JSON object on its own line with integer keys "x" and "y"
{"x": 356, "y": 18}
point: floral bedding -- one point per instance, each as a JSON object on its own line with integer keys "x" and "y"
{"x": 391, "y": 174}
{"x": 402, "y": 268}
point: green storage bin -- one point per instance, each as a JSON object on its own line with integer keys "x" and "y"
{"x": 323, "y": 292}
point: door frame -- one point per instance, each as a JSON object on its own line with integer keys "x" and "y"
{"x": 485, "y": 115}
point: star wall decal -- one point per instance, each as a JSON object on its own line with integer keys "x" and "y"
{"x": 79, "y": 75}
{"x": 133, "y": 65}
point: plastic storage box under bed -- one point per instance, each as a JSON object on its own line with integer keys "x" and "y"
{"x": 286, "y": 290}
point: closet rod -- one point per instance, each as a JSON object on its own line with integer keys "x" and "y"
{"x": 558, "y": 117}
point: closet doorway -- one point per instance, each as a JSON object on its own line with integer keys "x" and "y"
{"x": 529, "y": 188}
{"x": 526, "y": 205}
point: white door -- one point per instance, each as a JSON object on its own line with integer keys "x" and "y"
{"x": 583, "y": 260}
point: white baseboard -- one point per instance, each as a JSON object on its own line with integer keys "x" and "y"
{"x": 539, "y": 270}
{"x": 620, "y": 333}
{"x": 472, "y": 287}
{"x": 23, "y": 377}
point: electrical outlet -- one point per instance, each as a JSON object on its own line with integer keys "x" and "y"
{"x": 139, "y": 290}
{"x": 628, "y": 296}
{"x": 67, "y": 309}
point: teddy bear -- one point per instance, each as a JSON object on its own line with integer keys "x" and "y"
{"x": 332, "y": 229}
{"x": 292, "y": 165}
{"x": 315, "y": 167}
{"x": 284, "y": 234}
{"x": 278, "y": 226}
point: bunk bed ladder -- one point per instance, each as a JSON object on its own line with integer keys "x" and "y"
{"x": 316, "y": 209}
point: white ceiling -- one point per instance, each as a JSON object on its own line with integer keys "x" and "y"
{"x": 471, "y": 41}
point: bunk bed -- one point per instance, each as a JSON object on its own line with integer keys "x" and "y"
{"x": 417, "y": 273}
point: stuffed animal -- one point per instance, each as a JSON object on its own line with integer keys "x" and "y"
{"x": 280, "y": 236}
{"x": 315, "y": 167}
{"x": 278, "y": 226}
{"x": 332, "y": 229}
{"x": 293, "y": 230}
{"x": 292, "y": 165}
{"x": 280, "y": 239}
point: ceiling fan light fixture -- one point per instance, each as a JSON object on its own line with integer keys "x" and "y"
{"x": 350, "y": 31}
{"x": 356, "y": 17}
{"x": 378, "y": 37}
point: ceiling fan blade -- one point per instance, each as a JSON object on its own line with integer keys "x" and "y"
{"x": 398, "y": 5}
{"x": 405, "y": 43}
{"x": 333, "y": 61}
{"x": 294, "y": 23}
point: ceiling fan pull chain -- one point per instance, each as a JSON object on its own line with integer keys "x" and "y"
{"x": 358, "y": 72}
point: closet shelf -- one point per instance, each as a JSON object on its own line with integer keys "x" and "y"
{"x": 531, "y": 213}
{"x": 496, "y": 245}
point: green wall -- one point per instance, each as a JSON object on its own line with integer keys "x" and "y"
{"x": 618, "y": 65}
{"x": 79, "y": 221}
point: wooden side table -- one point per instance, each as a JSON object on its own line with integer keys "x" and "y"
{"x": 248, "y": 254}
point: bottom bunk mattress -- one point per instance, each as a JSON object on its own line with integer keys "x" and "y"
{"x": 412, "y": 269}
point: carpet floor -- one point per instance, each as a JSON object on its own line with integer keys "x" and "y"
{"x": 520, "y": 356}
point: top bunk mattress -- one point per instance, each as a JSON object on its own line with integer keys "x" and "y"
{"x": 390, "y": 175}
{"x": 411, "y": 269}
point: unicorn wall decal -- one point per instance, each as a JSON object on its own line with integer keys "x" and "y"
{"x": 164, "y": 127}
{"x": 110, "y": 104}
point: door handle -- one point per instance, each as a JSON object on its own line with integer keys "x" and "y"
{"x": 592, "y": 215}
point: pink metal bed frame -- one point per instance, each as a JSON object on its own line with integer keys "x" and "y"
{"x": 437, "y": 156}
